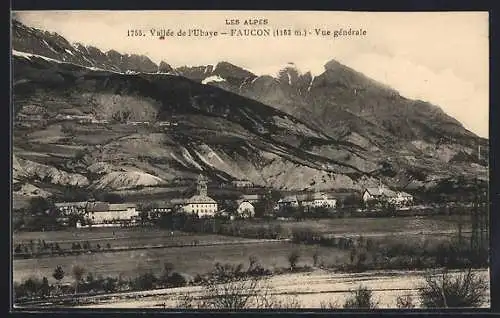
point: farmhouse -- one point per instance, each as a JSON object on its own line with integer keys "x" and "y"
{"x": 252, "y": 198}
{"x": 68, "y": 208}
{"x": 162, "y": 208}
{"x": 399, "y": 198}
{"x": 317, "y": 200}
{"x": 289, "y": 201}
{"x": 103, "y": 212}
{"x": 402, "y": 199}
{"x": 372, "y": 194}
{"x": 246, "y": 210}
{"x": 242, "y": 184}
{"x": 201, "y": 204}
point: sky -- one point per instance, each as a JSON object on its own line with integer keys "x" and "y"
{"x": 439, "y": 57}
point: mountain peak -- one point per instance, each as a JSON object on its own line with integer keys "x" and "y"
{"x": 226, "y": 69}
{"x": 164, "y": 67}
{"x": 335, "y": 65}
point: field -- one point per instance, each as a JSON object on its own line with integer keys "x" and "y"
{"x": 382, "y": 225}
{"x": 119, "y": 237}
{"x": 189, "y": 260}
{"x": 200, "y": 259}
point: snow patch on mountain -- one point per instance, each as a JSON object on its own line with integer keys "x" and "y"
{"x": 29, "y": 56}
{"x": 213, "y": 78}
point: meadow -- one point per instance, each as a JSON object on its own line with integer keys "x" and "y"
{"x": 194, "y": 260}
{"x": 364, "y": 226}
{"x": 190, "y": 260}
{"x": 120, "y": 238}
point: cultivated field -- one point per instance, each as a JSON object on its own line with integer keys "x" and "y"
{"x": 382, "y": 225}
{"x": 189, "y": 260}
{"x": 120, "y": 237}
{"x": 192, "y": 260}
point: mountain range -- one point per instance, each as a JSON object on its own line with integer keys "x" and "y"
{"x": 153, "y": 126}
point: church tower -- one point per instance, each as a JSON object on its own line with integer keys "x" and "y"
{"x": 202, "y": 185}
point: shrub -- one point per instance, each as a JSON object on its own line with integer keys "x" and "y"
{"x": 361, "y": 298}
{"x": 228, "y": 287}
{"x": 144, "y": 282}
{"x": 58, "y": 274}
{"x": 331, "y": 304}
{"x": 465, "y": 289}
{"x": 293, "y": 259}
{"x": 176, "y": 280}
{"x": 405, "y": 302}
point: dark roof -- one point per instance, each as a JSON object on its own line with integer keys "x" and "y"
{"x": 82, "y": 204}
{"x": 98, "y": 207}
{"x": 376, "y": 192}
{"x": 121, "y": 206}
{"x": 250, "y": 197}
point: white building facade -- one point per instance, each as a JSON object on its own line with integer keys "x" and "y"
{"x": 320, "y": 200}
{"x": 201, "y": 204}
{"x": 246, "y": 210}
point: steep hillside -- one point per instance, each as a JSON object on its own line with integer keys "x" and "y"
{"x": 223, "y": 134}
{"x": 112, "y": 122}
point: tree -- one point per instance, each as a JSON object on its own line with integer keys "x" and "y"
{"x": 168, "y": 268}
{"x": 445, "y": 290}
{"x": 77, "y": 273}
{"x": 361, "y": 298}
{"x": 176, "y": 280}
{"x": 58, "y": 275}
{"x": 44, "y": 288}
{"x": 315, "y": 258}
{"x": 293, "y": 259}
{"x": 145, "y": 281}
{"x": 144, "y": 216}
{"x": 39, "y": 205}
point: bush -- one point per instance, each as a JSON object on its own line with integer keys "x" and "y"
{"x": 405, "y": 302}
{"x": 466, "y": 289}
{"x": 176, "y": 280}
{"x": 331, "y": 304}
{"x": 293, "y": 259}
{"x": 228, "y": 287}
{"x": 144, "y": 282}
{"x": 361, "y": 298}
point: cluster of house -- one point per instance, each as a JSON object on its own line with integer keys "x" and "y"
{"x": 201, "y": 204}
{"x": 310, "y": 200}
{"x": 98, "y": 213}
{"x": 378, "y": 194}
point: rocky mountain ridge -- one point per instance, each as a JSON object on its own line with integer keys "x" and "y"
{"x": 148, "y": 126}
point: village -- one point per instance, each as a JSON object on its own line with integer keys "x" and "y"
{"x": 92, "y": 213}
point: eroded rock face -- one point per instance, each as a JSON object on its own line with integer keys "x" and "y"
{"x": 338, "y": 129}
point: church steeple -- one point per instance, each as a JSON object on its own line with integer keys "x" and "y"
{"x": 202, "y": 185}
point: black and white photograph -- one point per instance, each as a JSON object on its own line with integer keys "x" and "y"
{"x": 239, "y": 160}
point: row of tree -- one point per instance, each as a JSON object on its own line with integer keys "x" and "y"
{"x": 33, "y": 288}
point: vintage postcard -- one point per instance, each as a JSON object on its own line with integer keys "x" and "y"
{"x": 250, "y": 160}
